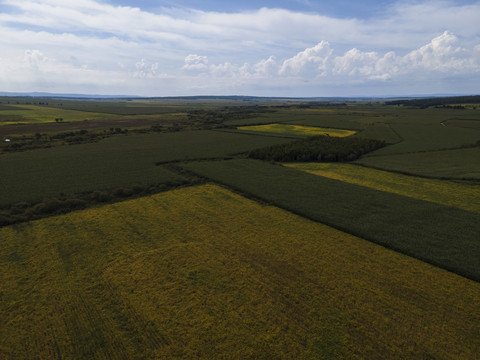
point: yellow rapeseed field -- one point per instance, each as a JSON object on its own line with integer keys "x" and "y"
{"x": 462, "y": 195}
{"x": 204, "y": 273}
{"x": 298, "y": 130}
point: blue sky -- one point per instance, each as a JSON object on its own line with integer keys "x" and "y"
{"x": 267, "y": 48}
{"x": 339, "y": 8}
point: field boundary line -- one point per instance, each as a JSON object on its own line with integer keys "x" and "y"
{"x": 391, "y": 247}
{"x": 468, "y": 180}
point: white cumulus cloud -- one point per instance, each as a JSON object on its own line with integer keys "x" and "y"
{"x": 311, "y": 60}
{"x": 195, "y": 62}
{"x": 76, "y": 45}
{"x": 442, "y": 54}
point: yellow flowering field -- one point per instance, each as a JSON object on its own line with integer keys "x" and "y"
{"x": 462, "y": 195}
{"x": 204, "y": 273}
{"x": 297, "y": 130}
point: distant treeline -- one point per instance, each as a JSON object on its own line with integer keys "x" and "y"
{"x": 424, "y": 103}
{"x": 318, "y": 148}
{"x": 45, "y": 140}
{"x": 219, "y": 116}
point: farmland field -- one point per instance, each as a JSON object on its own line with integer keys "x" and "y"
{"x": 204, "y": 273}
{"x": 380, "y": 131}
{"x": 113, "y": 162}
{"x": 461, "y": 195}
{"x": 297, "y": 130}
{"x": 418, "y": 228}
{"x": 464, "y": 123}
{"x": 419, "y": 138}
{"x": 28, "y": 114}
{"x": 451, "y": 164}
{"x": 216, "y": 255}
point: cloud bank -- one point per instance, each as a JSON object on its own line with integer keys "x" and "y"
{"x": 92, "y": 46}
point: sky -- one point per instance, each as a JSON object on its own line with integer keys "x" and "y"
{"x": 294, "y": 48}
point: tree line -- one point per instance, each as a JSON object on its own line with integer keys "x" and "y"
{"x": 320, "y": 148}
{"x": 424, "y": 103}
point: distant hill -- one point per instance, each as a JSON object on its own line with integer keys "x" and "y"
{"x": 70, "y": 96}
{"x": 408, "y": 100}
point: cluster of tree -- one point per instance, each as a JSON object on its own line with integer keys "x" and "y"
{"x": 39, "y": 141}
{"x": 321, "y": 104}
{"x": 22, "y": 143}
{"x": 455, "y": 107}
{"x": 26, "y": 211}
{"x": 83, "y": 136}
{"x": 318, "y": 149}
{"x": 424, "y": 103}
{"x": 219, "y": 116}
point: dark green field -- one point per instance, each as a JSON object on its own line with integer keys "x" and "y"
{"x": 451, "y": 164}
{"x": 114, "y": 162}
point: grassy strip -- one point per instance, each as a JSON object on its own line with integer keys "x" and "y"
{"x": 444, "y": 236}
{"x": 203, "y": 273}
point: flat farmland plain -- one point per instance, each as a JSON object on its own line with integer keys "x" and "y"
{"x": 113, "y": 162}
{"x": 32, "y": 114}
{"x": 204, "y": 273}
{"x": 441, "y": 235}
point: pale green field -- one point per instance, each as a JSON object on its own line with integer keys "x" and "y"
{"x": 463, "y": 196}
{"x": 297, "y": 130}
{"x": 31, "y": 114}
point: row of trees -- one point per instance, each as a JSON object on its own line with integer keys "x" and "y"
{"x": 318, "y": 149}
{"x": 219, "y": 116}
{"x": 26, "y": 211}
{"x": 424, "y": 103}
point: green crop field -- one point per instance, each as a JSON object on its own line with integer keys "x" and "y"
{"x": 464, "y": 123}
{"x": 204, "y": 273}
{"x": 113, "y": 162}
{"x": 380, "y": 131}
{"x": 417, "y": 138}
{"x": 442, "y": 235}
{"x": 451, "y": 164}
